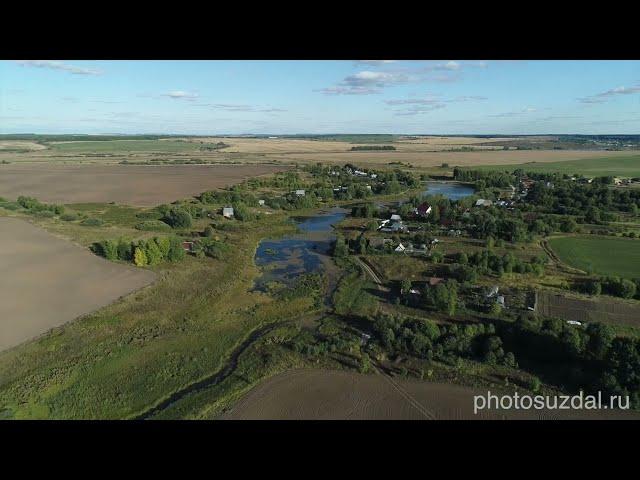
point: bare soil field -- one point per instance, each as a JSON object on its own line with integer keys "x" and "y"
{"x": 46, "y": 282}
{"x": 124, "y": 184}
{"x": 340, "y": 395}
{"x": 603, "y": 309}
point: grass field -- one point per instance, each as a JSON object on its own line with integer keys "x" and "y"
{"x": 117, "y": 362}
{"x": 119, "y": 146}
{"x": 602, "y": 255}
{"x": 623, "y": 166}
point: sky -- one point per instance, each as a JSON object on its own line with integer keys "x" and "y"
{"x": 436, "y": 97}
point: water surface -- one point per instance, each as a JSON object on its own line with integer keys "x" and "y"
{"x": 450, "y": 190}
{"x": 284, "y": 259}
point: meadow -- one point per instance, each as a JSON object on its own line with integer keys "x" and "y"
{"x": 124, "y": 358}
{"x": 601, "y": 255}
{"x": 623, "y": 166}
{"x": 119, "y": 146}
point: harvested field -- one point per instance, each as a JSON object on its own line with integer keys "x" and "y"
{"x": 46, "y": 281}
{"x": 603, "y": 309}
{"x": 340, "y": 395}
{"x": 423, "y": 159}
{"x": 124, "y": 184}
{"x": 20, "y": 145}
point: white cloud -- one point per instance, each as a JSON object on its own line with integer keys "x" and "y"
{"x": 367, "y": 78}
{"x": 468, "y": 98}
{"x": 604, "y": 96}
{"x": 365, "y": 82}
{"x": 55, "y": 65}
{"x": 181, "y": 94}
{"x": 374, "y": 63}
{"x": 348, "y": 90}
{"x": 515, "y": 113}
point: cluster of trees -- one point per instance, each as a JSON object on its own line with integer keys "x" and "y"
{"x": 615, "y": 286}
{"x": 372, "y": 147}
{"x": 142, "y": 252}
{"x": 33, "y": 206}
{"x": 593, "y": 358}
{"x": 209, "y": 247}
{"x": 442, "y": 297}
{"x": 366, "y": 210}
{"x": 484, "y": 179}
{"x": 425, "y": 339}
{"x": 487, "y": 262}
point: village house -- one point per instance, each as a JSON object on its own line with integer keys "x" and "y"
{"x": 299, "y": 193}
{"x": 493, "y": 291}
{"x": 227, "y": 212}
{"x": 433, "y": 281}
{"x": 423, "y": 210}
{"x": 261, "y": 202}
{"x": 400, "y": 248}
{"x": 187, "y": 246}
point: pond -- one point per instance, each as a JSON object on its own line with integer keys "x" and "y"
{"x": 450, "y": 190}
{"x": 284, "y": 259}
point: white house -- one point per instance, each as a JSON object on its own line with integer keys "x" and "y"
{"x": 400, "y": 248}
{"x": 261, "y": 202}
{"x": 227, "y": 212}
{"x": 396, "y": 218}
{"x": 300, "y": 193}
{"x": 481, "y": 202}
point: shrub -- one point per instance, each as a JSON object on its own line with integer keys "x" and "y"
{"x": 92, "y": 222}
{"x": 44, "y": 214}
{"x": 153, "y": 226}
{"x": 69, "y": 217}
{"x": 176, "y": 252}
{"x": 178, "y": 218}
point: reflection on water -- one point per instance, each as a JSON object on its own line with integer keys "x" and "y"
{"x": 284, "y": 259}
{"x": 450, "y": 190}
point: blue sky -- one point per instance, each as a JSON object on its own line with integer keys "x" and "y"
{"x": 280, "y": 97}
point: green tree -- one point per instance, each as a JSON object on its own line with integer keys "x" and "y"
{"x": 178, "y": 218}
{"x": 164, "y": 245}
{"x": 365, "y": 363}
{"x": 139, "y": 257}
{"x": 125, "y": 250}
{"x": 152, "y": 252}
{"x": 209, "y": 231}
{"x": 176, "y": 252}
